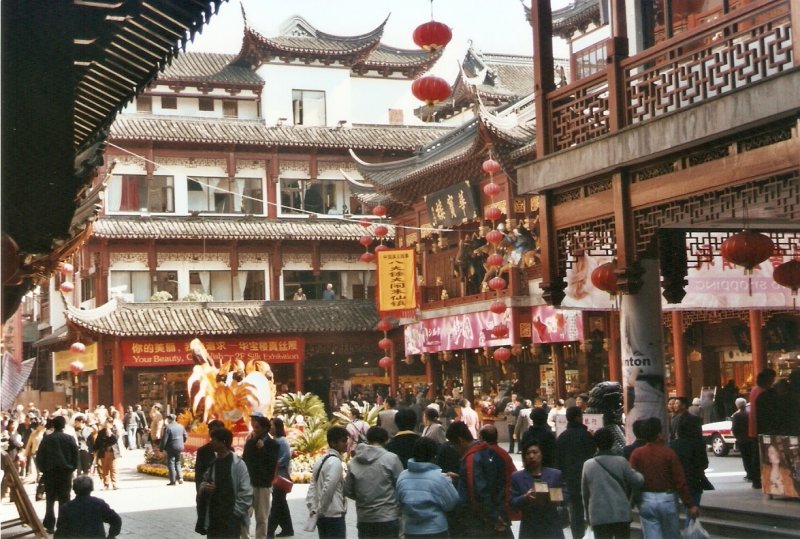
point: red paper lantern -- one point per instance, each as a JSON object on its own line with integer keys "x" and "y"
{"x": 493, "y": 214}
{"x": 500, "y": 331}
{"x": 747, "y": 249}
{"x": 494, "y": 237}
{"x": 66, "y": 268}
{"x": 385, "y": 363}
{"x": 432, "y": 36}
{"x": 604, "y": 278}
{"x": 76, "y": 367}
{"x": 497, "y": 283}
{"x": 788, "y": 275}
{"x": 379, "y": 211}
{"x": 381, "y": 230}
{"x": 367, "y": 257}
{"x": 491, "y": 189}
{"x": 490, "y": 166}
{"x": 366, "y": 241}
{"x": 384, "y": 325}
{"x": 430, "y": 89}
{"x": 502, "y": 354}
{"x": 380, "y": 248}
{"x": 366, "y": 223}
{"x": 495, "y": 260}
{"x": 77, "y": 348}
{"x": 385, "y": 344}
{"x": 67, "y": 287}
{"x": 498, "y": 307}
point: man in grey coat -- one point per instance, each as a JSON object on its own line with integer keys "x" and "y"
{"x": 371, "y": 479}
{"x": 172, "y": 444}
{"x": 607, "y": 483}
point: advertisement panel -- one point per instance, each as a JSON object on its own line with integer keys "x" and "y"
{"x": 556, "y": 325}
{"x": 169, "y": 352}
{"x": 473, "y": 330}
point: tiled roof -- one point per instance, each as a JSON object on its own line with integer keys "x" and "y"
{"x": 503, "y": 74}
{"x": 255, "y": 133}
{"x": 243, "y": 228}
{"x": 388, "y": 59}
{"x": 209, "y": 68}
{"x": 227, "y": 318}
{"x": 577, "y": 15}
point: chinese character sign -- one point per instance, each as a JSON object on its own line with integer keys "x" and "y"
{"x": 165, "y": 352}
{"x": 452, "y": 206}
{"x": 397, "y": 283}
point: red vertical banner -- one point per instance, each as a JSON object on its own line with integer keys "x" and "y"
{"x": 396, "y": 280}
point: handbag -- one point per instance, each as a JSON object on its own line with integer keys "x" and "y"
{"x": 283, "y": 484}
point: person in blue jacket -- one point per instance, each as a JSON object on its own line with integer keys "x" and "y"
{"x": 425, "y": 493}
{"x": 539, "y": 514}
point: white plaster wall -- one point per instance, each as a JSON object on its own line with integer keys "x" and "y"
{"x": 281, "y": 79}
{"x": 372, "y": 99}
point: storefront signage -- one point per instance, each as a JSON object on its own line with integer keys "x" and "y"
{"x": 473, "y": 330}
{"x": 167, "y": 352}
{"x": 593, "y": 422}
{"x": 397, "y": 283}
{"x": 452, "y": 206}
{"x": 88, "y": 358}
{"x": 556, "y": 325}
{"x": 401, "y": 379}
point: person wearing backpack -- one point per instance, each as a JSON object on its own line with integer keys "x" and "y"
{"x": 325, "y": 498}
{"x": 357, "y": 430}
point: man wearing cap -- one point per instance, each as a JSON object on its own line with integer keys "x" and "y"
{"x": 260, "y": 454}
{"x": 172, "y": 444}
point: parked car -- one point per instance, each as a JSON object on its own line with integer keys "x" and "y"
{"x": 719, "y": 436}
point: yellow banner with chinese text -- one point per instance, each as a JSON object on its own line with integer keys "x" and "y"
{"x": 397, "y": 283}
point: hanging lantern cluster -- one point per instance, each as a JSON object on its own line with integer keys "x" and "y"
{"x": 495, "y": 259}
{"x": 747, "y": 249}
{"x": 76, "y": 368}
{"x": 66, "y": 269}
{"x": 431, "y": 36}
{"x": 385, "y": 344}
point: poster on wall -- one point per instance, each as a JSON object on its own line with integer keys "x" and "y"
{"x": 780, "y": 464}
{"x": 551, "y": 325}
{"x": 457, "y": 332}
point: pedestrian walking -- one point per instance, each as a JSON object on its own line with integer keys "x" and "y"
{"x": 425, "y": 494}
{"x": 106, "y": 445}
{"x": 279, "y": 514}
{"x": 470, "y": 418}
{"x": 325, "y": 498}
{"x": 261, "y": 457}
{"x": 523, "y": 421}
{"x": 540, "y": 518}
{"x": 156, "y": 426}
{"x": 86, "y": 515}
{"x": 83, "y": 435}
{"x": 225, "y": 490}
{"x": 143, "y": 428}
{"x": 57, "y": 459}
{"x": 691, "y": 451}
{"x": 607, "y": 484}
{"x": 172, "y": 444}
{"x": 402, "y": 443}
{"x": 386, "y": 416}
{"x": 433, "y": 428}
{"x": 541, "y": 432}
{"x": 131, "y": 423}
{"x": 574, "y": 447}
{"x": 371, "y": 478}
{"x": 357, "y": 429}
{"x": 746, "y": 445}
{"x": 203, "y": 460}
{"x": 663, "y": 477}
{"x": 512, "y": 412}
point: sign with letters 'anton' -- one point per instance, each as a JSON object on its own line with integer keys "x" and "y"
{"x": 452, "y": 206}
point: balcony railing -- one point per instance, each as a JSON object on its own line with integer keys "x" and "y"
{"x": 749, "y": 44}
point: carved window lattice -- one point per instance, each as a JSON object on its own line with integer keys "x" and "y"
{"x": 568, "y": 196}
{"x": 598, "y": 187}
{"x": 582, "y": 191}
{"x": 765, "y": 139}
{"x": 758, "y": 46}
{"x": 592, "y": 238}
{"x": 580, "y": 116}
{"x": 781, "y": 192}
{"x": 706, "y": 155}
{"x": 652, "y": 171}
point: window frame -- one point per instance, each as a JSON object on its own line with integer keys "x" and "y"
{"x": 144, "y": 188}
{"x": 299, "y": 107}
{"x": 169, "y": 102}
{"x": 203, "y": 104}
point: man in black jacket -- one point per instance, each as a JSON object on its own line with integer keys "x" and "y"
{"x": 172, "y": 443}
{"x": 84, "y": 516}
{"x": 402, "y": 443}
{"x": 261, "y": 457}
{"x": 57, "y": 458}
{"x": 540, "y": 431}
{"x": 574, "y": 447}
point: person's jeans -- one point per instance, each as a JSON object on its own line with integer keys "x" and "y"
{"x": 133, "y": 442}
{"x": 57, "y": 486}
{"x": 174, "y": 465}
{"x": 389, "y": 529}
{"x": 511, "y": 437}
{"x": 658, "y": 513}
{"x": 333, "y": 527}
{"x": 577, "y": 524}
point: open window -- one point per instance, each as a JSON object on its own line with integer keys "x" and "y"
{"x": 133, "y": 193}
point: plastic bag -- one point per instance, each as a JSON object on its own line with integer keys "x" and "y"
{"x": 695, "y": 530}
{"x": 589, "y": 534}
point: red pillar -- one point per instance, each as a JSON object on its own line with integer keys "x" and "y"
{"x": 298, "y": 375}
{"x": 117, "y": 385}
{"x": 682, "y": 386}
{"x": 614, "y": 359}
{"x": 757, "y": 342}
{"x": 558, "y": 371}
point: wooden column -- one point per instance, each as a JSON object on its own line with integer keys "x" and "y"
{"x": 466, "y": 375}
{"x": 558, "y": 371}
{"x": 552, "y": 284}
{"x": 629, "y": 273}
{"x": 276, "y": 264}
{"x": 117, "y": 370}
{"x": 429, "y": 378}
{"x": 543, "y": 72}
{"x": 795, "y": 18}
{"x": 757, "y": 342}
{"x": 682, "y": 385}
{"x": 618, "y": 50}
{"x": 299, "y": 375}
{"x": 614, "y": 359}
{"x": 273, "y": 173}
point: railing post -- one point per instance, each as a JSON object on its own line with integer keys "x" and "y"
{"x": 794, "y": 17}
{"x": 618, "y": 50}
{"x": 543, "y": 73}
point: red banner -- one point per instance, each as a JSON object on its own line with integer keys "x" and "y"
{"x": 168, "y": 352}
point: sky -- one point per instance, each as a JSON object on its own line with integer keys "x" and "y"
{"x": 497, "y": 26}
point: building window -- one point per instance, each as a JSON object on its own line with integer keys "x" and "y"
{"x": 87, "y": 288}
{"x": 312, "y": 285}
{"x": 205, "y": 104}
{"x": 130, "y": 192}
{"x": 167, "y": 281}
{"x": 590, "y": 60}
{"x": 131, "y": 285}
{"x": 252, "y": 285}
{"x": 216, "y": 284}
{"x": 169, "y": 102}
{"x": 144, "y": 104}
{"x": 226, "y": 195}
{"x": 308, "y": 107}
{"x": 230, "y": 108}
{"x": 323, "y": 197}
{"x": 395, "y": 116}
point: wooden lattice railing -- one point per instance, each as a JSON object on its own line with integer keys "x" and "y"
{"x": 749, "y": 44}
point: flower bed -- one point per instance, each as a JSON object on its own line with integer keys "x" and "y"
{"x": 160, "y": 470}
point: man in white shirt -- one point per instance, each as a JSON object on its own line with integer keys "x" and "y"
{"x": 325, "y": 497}
{"x": 470, "y": 418}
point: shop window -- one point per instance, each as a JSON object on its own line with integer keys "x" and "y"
{"x": 129, "y": 192}
{"x": 205, "y": 104}
{"x": 144, "y": 104}
{"x": 312, "y": 285}
{"x": 169, "y": 102}
{"x": 131, "y": 285}
{"x": 230, "y": 108}
{"x": 308, "y": 107}
{"x": 224, "y": 195}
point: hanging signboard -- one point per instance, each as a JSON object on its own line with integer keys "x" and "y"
{"x": 64, "y": 358}
{"x": 397, "y": 283}
{"x": 452, "y": 206}
{"x": 556, "y": 325}
{"x": 168, "y": 352}
{"x": 457, "y": 332}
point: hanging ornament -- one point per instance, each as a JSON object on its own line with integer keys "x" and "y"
{"x": 366, "y": 241}
{"x": 381, "y": 230}
{"x": 77, "y": 348}
{"x": 367, "y": 257}
{"x": 66, "y": 268}
{"x": 385, "y": 363}
{"x": 380, "y": 248}
{"x": 385, "y": 344}
{"x": 67, "y": 287}
{"x": 500, "y": 331}
{"x": 76, "y": 367}
{"x": 502, "y": 354}
{"x": 430, "y": 89}
{"x": 494, "y": 237}
{"x": 379, "y": 211}
{"x": 788, "y": 275}
{"x": 432, "y": 36}
{"x": 491, "y": 189}
{"x": 497, "y": 283}
{"x": 604, "y": 278}
{"x": 490, "y": 166}
{"x": 747, "y": 249}
{"x": 498, "y": 307}
{"x": 494, "y": 260}
{"x": 384, "y": 325}
{"x": 493, "y": 214}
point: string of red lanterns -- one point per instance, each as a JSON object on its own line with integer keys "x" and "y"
{"x": 431, "y": 37}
